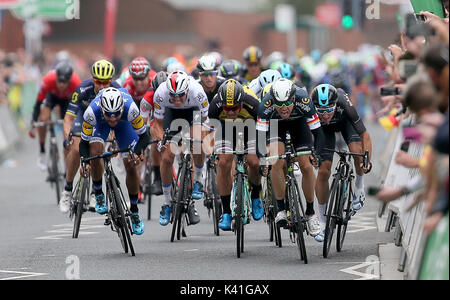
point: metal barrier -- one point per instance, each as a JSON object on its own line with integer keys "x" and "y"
{"x": 408, "y": 224}
{"x": 9, "y": 133}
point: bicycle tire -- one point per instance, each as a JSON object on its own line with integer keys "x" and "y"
{"x": 295, "y": 201}
{"x": 331, "y": 221}
{"x": 238, "y": 226}
{"x": 217, "y": 207}
{"x": 147, "y": 186}
{"x": 124, "y": 224}
{"x": 79, "y": 207}
{"x": 55, "y": 172}
{"x": 178, "y": 205}
{"x": 342, "y": 226}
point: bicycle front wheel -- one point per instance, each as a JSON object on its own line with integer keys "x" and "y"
{"x": 238, "y": 215}
{"x": 331, "y": 216}
{"x": 82, "y": 194}
{"x": 295, "y": 200}
{"x": 346, "y": 214}
{"x": 122, "y": 218}
{"x": 179, "y": 205}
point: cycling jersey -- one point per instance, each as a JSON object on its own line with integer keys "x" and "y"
{"x": 196, "y": 98}
{"x": 211, "y": 94}
{"x": 345, "y": 111}
{"x": 48, "y": 86}
{"x": 127, "y": 131}
{"x": 131, "y": 88}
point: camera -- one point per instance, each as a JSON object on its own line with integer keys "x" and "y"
{"x": 390, "y": 91}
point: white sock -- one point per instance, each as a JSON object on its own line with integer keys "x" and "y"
{"x": 198, "y": 174}
{"x": 359, "y": 182}
{"x": 167, "y": 195}
{"x": 322, "y": 212}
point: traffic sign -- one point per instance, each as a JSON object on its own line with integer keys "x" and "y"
{"x": 52, "y": 10}
{"x": 329, "y": 14}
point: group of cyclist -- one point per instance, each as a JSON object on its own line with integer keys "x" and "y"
{"x": 143, "y": 105}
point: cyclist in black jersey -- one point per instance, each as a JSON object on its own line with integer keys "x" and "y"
{"x": 209, "y": 79}
{"x": 291, "y": 110}
{"x": 337, "y": 114}
{"x": 230, "y": 106}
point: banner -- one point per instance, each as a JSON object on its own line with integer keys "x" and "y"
{"x": 433, "y": 6}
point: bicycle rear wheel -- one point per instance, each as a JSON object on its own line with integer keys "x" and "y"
{"x": 217, "y": 205}
{"x": 82, "y": 194}
{"x": 331, "y": 217}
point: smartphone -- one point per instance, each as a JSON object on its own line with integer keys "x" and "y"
{"x": 389, "y": 91}
{"x": 405, "y": 146}
{"x": 407, "y": 68}
{"x": 421, "y": 18}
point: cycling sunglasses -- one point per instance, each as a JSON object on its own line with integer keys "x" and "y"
{"x": 112, "y": 115}
{"x": 137, "y": 78}
{"x": 233, "y": 108}
{"x": 175, "y": 95}
{"x": 327, "y": 110}
{"x": 102, "y": 82}
{"x": 280, "y": 104}
{"x": 209, "y": 73}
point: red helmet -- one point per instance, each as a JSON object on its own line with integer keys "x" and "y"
{"x": 139, "y": 67}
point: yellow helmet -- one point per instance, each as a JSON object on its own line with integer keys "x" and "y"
{"x": 103, "y": 70}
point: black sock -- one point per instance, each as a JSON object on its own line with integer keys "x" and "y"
{"x": 280, "y": 205}
{"x": 133, "y": 203}
{"x": 309, "y": 209}
{"x": 226, "y": 200}
{"x": 255, "y": 190}
{"x": 97, "y": 187}
{"x": 157, "y": 172}
{"x": 69, "y": 186}
{"x": 42, "y": 148}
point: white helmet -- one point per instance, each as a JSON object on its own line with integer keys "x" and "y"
{"x": 176, "y": 66}
{"x": 178, "y": 82}
{"x": 283, "y": 90}
{"x": 268, "y": 76}
{"x": 111, "y": 101}
{"x": 207, "y": 63}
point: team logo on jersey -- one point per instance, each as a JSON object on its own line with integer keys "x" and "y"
{"x": 268, "y": 103}
{"x": 306, "y": 100}
{"x": 87, "y": 129}
{"x": 157, "y": 106}
{"x": 205, "y": 104}
{"x": 75, "y": 97}
{"x": 137, "y": 123}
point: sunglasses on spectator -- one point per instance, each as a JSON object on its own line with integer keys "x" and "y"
{"x": 102, "y": 82}
{"x": 328, "y": 110}
{"x": 280, "y": 104}
{"x": 232, "y": 108}
{"x": 209, "y": 73}
{"x": 174, "y": 95}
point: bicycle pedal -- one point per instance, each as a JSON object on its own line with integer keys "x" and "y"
{"x": 107, "y": 222}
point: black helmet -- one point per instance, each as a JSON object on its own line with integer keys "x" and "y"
{"x": 324, "y": 95}
{"x": 231, "y": 93}
{"x": 252, "y": 54}
{"x": 160, "y": 77}
{"x": 230, "y": 68}
{"x": 63, "y": 71}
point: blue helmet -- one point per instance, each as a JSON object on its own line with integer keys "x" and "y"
{"x": 268, "y": 76}
{"x": 286, "y": 71}
{"x": 324, "y": 95}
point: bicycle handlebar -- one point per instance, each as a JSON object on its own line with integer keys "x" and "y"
{"x": 45, "y": 123}
{"x": 364, "y": 155}
{"x": 289, "y": 154}
{"x": 108, "y": 154}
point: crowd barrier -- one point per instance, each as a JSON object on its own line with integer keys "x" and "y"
{"x": 9, "y": 132}
{"x": 408, "y": 223}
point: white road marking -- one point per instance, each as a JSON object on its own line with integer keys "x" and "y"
{"x": 22, "y": 274}
{"x": 65, "y": 230}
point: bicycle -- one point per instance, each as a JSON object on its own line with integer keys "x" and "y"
{"x": 55, "y": 176}
{"x": 182, "y": 188}
{"x": 297, "y": 224}
{"x": 118, "y": 215}
{"x": 212, "y": 196}
{"x": 341, "y": 194}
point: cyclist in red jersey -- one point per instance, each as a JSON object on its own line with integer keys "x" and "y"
{"x": 139, "y": 81}
{"x": 56, "y": 88}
